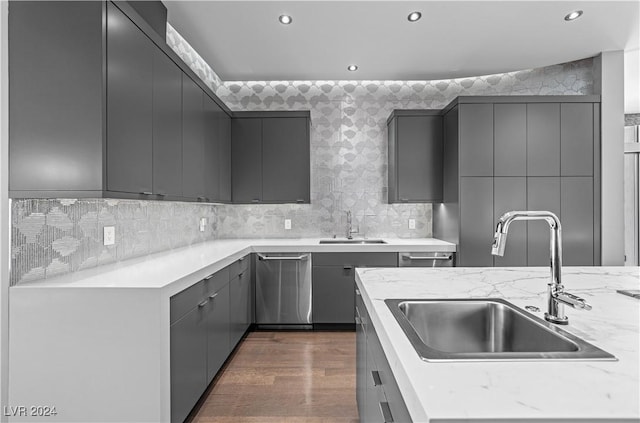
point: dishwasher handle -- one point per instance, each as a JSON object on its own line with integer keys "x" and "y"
{"x": 295, "y": 258}
{"x": 409, "y": 257}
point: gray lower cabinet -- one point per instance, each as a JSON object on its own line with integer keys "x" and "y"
{"x": 217, "y": 330}
{"x": 577, "y": 210}
{"x": 270, "y": 157}
{"x": 377, "y": 393}
{"x": 333, "y": 283}
{"x": 415, "y": 156}
{"x": 240, "y": 300}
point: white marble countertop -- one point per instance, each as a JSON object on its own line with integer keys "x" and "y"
{"x": 587, "y": 391}
{"x": 174, "y": 270}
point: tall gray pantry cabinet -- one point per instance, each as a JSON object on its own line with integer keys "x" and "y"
{"x": 521, "y": 153}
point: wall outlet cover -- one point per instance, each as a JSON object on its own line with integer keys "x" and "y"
{"x": 109, "y": 235}
{"x": 412, "y": 223}
{"x": 203, "y": 224}
{"x": 287, "y": 224}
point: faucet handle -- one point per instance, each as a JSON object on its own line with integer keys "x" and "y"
{"x": 572, "y": 300}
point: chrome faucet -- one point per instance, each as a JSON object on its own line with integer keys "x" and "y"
{"x": 350, "y": 230}
{"x": 557, "y": 298}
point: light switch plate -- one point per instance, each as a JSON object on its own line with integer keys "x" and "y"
{"x": 412, "y": 223}
{"x": 203, "y": 224}
{"x": 287, "y": 224}
{"x": 109, "y": 235}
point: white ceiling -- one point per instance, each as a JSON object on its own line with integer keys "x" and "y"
{"x": 243, "y": 40}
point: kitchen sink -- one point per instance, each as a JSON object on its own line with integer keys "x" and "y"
{"x": 352, "y": 241}
{"x": 485, "y": 329}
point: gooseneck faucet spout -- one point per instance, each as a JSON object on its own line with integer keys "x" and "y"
{"x": 556, "y": 296}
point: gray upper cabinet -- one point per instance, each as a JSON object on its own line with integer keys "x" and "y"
{"x": 246, "y": 160}
{"x": 576, "y": 139}
{"x": 510, "y": 139}
{"x": 105, "y": 117}
{"x": 285, "y": 160}
{"x": 476, "y": 139}
{"x": 415, "y": 156}
{"x": 224, "y": 162}
{"x": 270, "y": 160}
{"x": 211, "y": 131}
{"x": 542, "y": 151}
{"x": 129, "y": 106}
{"x": 167, "y": 126}
{"x": 47, "y": 140}
{"x": 543, "y": 139}
{"x": 193, "y": 126}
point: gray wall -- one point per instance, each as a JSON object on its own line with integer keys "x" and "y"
{"x": 348, "y": 171}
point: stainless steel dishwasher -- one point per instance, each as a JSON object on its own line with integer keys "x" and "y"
{"x": 283, "y": 291}
{"x": 441, "y": 259}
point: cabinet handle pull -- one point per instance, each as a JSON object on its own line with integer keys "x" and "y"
{"x": 427, "y": 258}
{"x": 255, "y": 200}
{"x": 204, "y": 303}
{"x": 202, "y": 198}
{"x": 386, "y": 412}
{"x": 299, "y": 200}
{"x": 241, "y": 275}
{"x": 241, "y": 259}
{"x": 376, "y": 378}
{"x": 161, "y": 194}
{"x": 347, "y": 267}
{"x": 358, "y": 320}
{"x": 211, "y": 297}
{"x": 404, "y": 200}
{"x": 358, "y": 292}
{"x": 208, "y": 277}
{"x": 146, "y": 193}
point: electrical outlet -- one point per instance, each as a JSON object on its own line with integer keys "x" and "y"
{"x": 412, "y": 223}
{"x": 109, "y": 235}
{"x": 287, "y": 224}
{"x": 203, "y": 224}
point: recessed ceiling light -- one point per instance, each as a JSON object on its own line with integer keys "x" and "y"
{"x": 352, "y": 68}
{"x": 285, "y": 19}
{"x": 573, "y": 15}
{"x": 414, "y": 16}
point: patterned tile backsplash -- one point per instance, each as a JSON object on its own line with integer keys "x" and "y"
{"x": 348, "y": 172}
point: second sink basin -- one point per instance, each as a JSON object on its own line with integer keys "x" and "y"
{"x": 485, "y": 329}
{"x": 352, "y": 241}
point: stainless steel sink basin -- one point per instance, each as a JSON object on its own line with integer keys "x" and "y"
{"x": 352, "y": 241}
{"x": 485, "y": 329}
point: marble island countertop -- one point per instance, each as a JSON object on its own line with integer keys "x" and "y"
{"x": 174, "y": 270}
{"x": 553, "y": 391}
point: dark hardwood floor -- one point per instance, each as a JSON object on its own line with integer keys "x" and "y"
{"x": 293, "y": 377}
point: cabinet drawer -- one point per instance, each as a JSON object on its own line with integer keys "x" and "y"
{"x": 217, "y": 280}
{"x": 186, "y": 300}
{"x": 356, "y": 259}
{"x": 239, "y": 266}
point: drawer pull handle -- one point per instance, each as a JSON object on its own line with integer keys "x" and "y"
{"x": 358, "y": 292}
{"x": 427, "y": 258}
{"x": 146, "y": 193}
{"x": 255, "y": 200}
{"x": 241, "y": 259}
{"x": 208, "y": 277}
{"x": 386, "y": 412}
{"x": 298, "y": 258}
{"x": 376, "y": 378}
{"x": 347, "y": 267}
{"x": 358, "y": 320}
{"x": 241, "y": 275}
{"x": 204, "y": 303}
{"x": 211, "y": 297}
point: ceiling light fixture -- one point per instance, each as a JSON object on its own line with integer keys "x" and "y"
{"x": 414, "y": 16}
{"x": 285, "y": 19}
{"x": 573, "y": 15}
{"x": 352, "y": 68}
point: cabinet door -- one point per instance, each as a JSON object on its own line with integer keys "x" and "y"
{"x": 240, "y": 303}
{"x": 224, "y": 161}
{"x": 285, "y": 160}
{"x": 510, "y": 140}
{"x": 576, "y": 139}
{"x": 246, "y": 160}
{"x": 192, "y": 140}
{"x": 419, "y": 158}
{"x": 510, "y": 193}
{"x": 392, "y": 151}
{"x": 211, "y": 148}
{"x": 543, "y": 139}
{"x": 577, "y": 220}
{"x": 188, "y": 361}
{"x": 217, "y": 334}
{"x": 167, "y": 126}
{"x": 542, "y": 194}
{"x": 476, "y": 221}
{"x": 129, "y": 105}
{"x": 361, "y": 357}
{"x": 333, "y": 294}
{"x": 476, "y": 139}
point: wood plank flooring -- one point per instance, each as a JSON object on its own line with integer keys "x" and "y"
{"x": 301, "y": 377}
